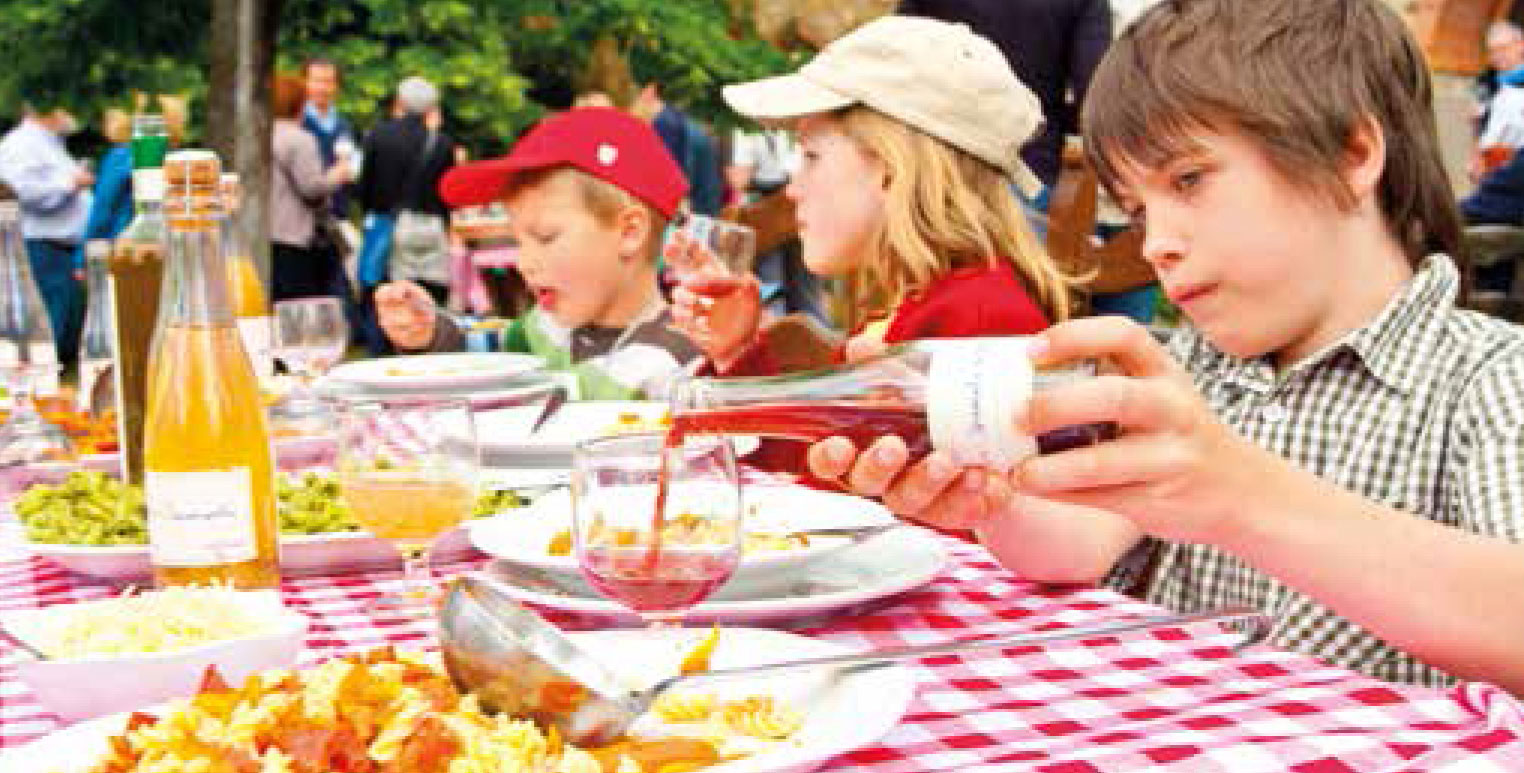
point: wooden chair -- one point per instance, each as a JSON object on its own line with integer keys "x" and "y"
{"x": 1115, "y": 265}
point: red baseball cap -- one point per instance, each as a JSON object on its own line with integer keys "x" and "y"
{"x": 607, "y": 143}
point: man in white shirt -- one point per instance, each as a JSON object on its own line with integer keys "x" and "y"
{"x": 54, "y": 193}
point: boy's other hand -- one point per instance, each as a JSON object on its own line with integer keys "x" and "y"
{"x": 933, "y": 491}
{"x": 406, "y": 312}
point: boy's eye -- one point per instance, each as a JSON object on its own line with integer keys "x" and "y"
{"x": 1186, "y": 181}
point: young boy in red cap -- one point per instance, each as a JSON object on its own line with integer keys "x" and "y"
{"x": 590, "y": 192}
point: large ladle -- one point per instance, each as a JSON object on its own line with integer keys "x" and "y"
{"x": 519, "y": 664}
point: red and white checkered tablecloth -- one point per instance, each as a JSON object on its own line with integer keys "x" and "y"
{"x": 1177, "y": 700}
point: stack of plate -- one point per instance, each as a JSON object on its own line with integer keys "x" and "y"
{"x": 831, "y": 574}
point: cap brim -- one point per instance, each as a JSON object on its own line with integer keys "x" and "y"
{"x": 783, "y": 98}
{"x": 483, "y": 182}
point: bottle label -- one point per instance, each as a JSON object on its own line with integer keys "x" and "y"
{"x": 258, "y": 341}
{"x": 200, "y": 518}
{"x": 977, "y": 393}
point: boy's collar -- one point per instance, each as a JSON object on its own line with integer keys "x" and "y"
{"x": 1412, "y": 321}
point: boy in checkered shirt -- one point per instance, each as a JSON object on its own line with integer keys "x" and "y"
{"x": 1332, "y": 440}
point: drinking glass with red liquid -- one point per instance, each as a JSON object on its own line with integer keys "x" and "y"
{"x": 656, "y": 551}
{"x": 966, "y": 397}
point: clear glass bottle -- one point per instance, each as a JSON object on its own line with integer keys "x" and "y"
{"x": 28, "y": 355}
{"x": 136, "y": 274}
{"x": 97, "y": 344}
{"x": 962, "y": 396}
{"x": 209, "y": 469}
{"x": 251, "y": 304}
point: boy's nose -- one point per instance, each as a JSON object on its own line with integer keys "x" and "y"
{"x": 1162, "y": 248}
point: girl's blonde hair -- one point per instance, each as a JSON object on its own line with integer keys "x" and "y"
{"x": 945, "y": 210}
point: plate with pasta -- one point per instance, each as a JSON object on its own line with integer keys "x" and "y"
{"x": 866, "y": 574}
{"x": 539, "y": 535}
{"x": 774, "y": 723}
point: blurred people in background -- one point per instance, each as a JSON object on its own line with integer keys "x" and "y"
{"x": 404, "y": 159}
{"x": 304, "y": 258}
{"x": 690, "y": 145}
{"x": 111, "y": 207}
{"x": 321, "y": 79}
{"x": 1501, "y": 121}
{"x": 54, "y": 193}
{"x": 1054, "y": 47}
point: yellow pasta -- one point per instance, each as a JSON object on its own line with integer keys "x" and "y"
{"x": 760, "y": 717}
{"x": 684, "y": 707}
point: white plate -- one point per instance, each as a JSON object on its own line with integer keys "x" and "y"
{"x": 503, "y": 434}
{"x": 299, "y": 555}
{"x": 901, "y": 560}
{"x": 523, "y": 536}
{"x": 843, "y": 711}
{"x": 457, "y": 370}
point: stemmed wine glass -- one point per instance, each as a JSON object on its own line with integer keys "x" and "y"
{"x": 658, "y": 558}
{"x": 310, "y": 337}
{"x": 408, "y": 469}
{"x": 28, "y": 356}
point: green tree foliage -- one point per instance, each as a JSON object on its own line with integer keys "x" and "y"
{"x": 500, "y": 63}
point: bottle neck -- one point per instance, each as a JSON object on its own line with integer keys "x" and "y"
{"x": 195, "y": 279}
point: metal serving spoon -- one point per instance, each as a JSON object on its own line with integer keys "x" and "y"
{"x": 519, "y": 664}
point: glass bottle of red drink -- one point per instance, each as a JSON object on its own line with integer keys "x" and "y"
{"x": 962, "y": 396}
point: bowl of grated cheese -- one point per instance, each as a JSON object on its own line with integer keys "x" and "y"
{"x": 137, "y": 649}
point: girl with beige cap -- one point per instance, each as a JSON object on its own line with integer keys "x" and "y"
{"x": 909, "y": 130}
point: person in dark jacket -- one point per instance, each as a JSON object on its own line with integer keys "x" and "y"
{"x": 1052, "y": 45}
{"x": 404, "y": 159}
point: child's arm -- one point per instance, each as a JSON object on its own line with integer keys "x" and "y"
{"x": 1447, "y": 596}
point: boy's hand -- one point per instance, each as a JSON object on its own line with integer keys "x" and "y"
{"x": 1176, "y": 471}
{"x": 406, "y": 312}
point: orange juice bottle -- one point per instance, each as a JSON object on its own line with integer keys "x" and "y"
{"x": 251, "y": 307}
{"x": 209, "y": 471}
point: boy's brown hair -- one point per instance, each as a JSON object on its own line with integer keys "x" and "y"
{"x": 1296, "y": 78}
{"x": 604, "y": 200}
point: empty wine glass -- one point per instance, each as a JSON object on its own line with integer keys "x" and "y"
{"x": 310, "y": 337}
{"x": 658, "y": 558}
{"x": 28, "y": 357}
{"x": 408, "y": 469}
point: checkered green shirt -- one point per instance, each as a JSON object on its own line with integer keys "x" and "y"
{"x": 1422, "y": 410}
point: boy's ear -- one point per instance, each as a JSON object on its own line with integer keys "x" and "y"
{"x": 1365, "y": 158}
{"x": 634, "y": 224}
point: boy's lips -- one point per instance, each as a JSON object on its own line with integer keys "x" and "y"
{"x": 545, "y": 297}
{"x": 1185, "y": 294}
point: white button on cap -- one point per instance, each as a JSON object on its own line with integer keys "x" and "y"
{"x": 607, "y": 154}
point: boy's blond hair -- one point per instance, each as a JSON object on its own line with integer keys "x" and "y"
{"x": 603, "y": 199}
{"x": 945, "y": 210}
{"x": 1297, "y": 79}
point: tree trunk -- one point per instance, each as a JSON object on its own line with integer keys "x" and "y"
{"x": 243, "y": 39}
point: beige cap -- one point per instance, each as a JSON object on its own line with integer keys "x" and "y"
{"x": 937, "y": 77}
